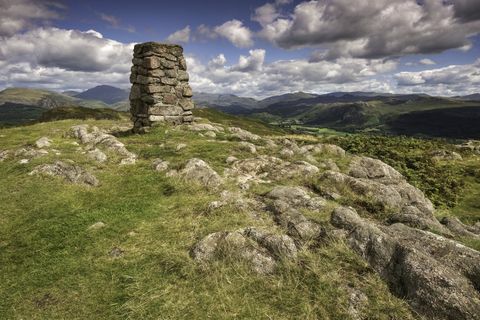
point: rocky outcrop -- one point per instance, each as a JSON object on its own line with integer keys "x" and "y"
{"x": 71, "y": 173}
{"x": 263, "y": 169}
{"x": 235, "y": 245}
{"x": 445, "y": 155}
{"x": 204, "y": 127}
{"x": 243, "y": 135}
{"x": 378, "y": 181}
{"x": 198, "y": 171}
{"x": 296, "y": 197}
{"x": 30, "y": 153}
{"x": 459, "y": 229}
{"x": 160, "y": 90}
{"x": 436, "y": 276}
{"x": 97, "y": 138}
{"x": 43, "y": 142}
{"x": 295, "y": 223}
{"x": 261, "y": 250}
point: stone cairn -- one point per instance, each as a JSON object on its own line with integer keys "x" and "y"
{"x": 160, "y": 90}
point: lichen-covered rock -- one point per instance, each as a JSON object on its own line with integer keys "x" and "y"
{"x": 69, "y": 172}
{"x": 445, "y": 155}
{"x": 231, "y": 159}
{"x": 97, "y": 155}
{"x": 160, "y": 165}
{"x": 247, "y": 146}
{"x": 287, "y": 153}
{"x": 374, "y": 169}
{"x": 98, "y": 138}
{"x": 328, "y": 149}
{"x": 376, "y": 180}
{"x": 30, "y": 153}
{"x": 210, "y": 134}
{"x": 296, "y": 197}
{"x": 198, "y": 171}
{"x": 436, "y": 276}
{"x": 203, "y": 127}
{"x": 279, "y": 245}
{"x": 458, "y": 228}
{"x": 180, "y": 146}
{"x": 262, "y": 169}
{"x": 296, "y": 224}
{"x": 43, "y": 142}
{"x": 243, "y": 134}
{"x": 236, "y": 245}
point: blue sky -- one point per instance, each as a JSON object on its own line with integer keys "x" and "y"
{"x": 249, "y": 48}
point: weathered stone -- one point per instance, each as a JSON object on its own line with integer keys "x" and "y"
{"x": 152, "y": 62}
{"x": 135, "y": 92}
{"x": 169, "y": 81}
{"x": 171, "y": 73}
{"x": 167, "y": 64}
{"x": 157, "y": 73}
{"x": 43, "y": 142}
{"x": 160, "y": 165}
{"x": 286, "y": 153}
{"x": 169, "y": 56}
{"x": 199, "y": 171}
{"x": 236, "y": 245}
{"x": 296, "y": 197}
{"x": 438, "y": 277}
{"x": 97, "y": 155}
{"x": 243, "y": 134}
{"x": 146, "y": 80}
{"x": 71, "y": 173}
{"x": 154, "y": 88}
{"x": 99, "y": 138}
{"x": 183, "y": 75}
{"x": 247, "y": 146}
{"x": 169, "y": 98}
{"x": 182, "y": 64}
{"x": 458, "y": 228}
{"x": 165, "y": 110}
{"x": 186, "y": 104}
{"x": 187, "y": 91}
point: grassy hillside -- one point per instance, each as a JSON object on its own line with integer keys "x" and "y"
{"x": 432, "y": 117}
{"x": 64, "y": 113}
{"x": 52, "y": 266}
{"x": 14, "y": 113}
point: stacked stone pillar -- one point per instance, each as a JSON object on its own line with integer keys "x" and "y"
{"x": 160, "y": 90}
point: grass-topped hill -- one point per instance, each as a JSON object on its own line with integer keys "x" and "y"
{"x": 123, "y": 249}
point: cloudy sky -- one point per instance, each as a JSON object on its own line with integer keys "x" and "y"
{"x": 249, "y": 48}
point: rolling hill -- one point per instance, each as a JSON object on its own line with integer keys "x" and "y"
{"x": 341, "y": 111}
{"x": 104, "y": 93}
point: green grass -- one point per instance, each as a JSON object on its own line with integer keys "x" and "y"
{"x": 53, "y": 267}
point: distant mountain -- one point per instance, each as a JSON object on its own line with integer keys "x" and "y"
{"x": 286, "y": 98}
{"x": 34, "y": 97}
{"x": 471, "y": 97}
{"x": 224, "y": 102}
{"x": 71, "y": 93}
{"x": 104, "y": 93}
